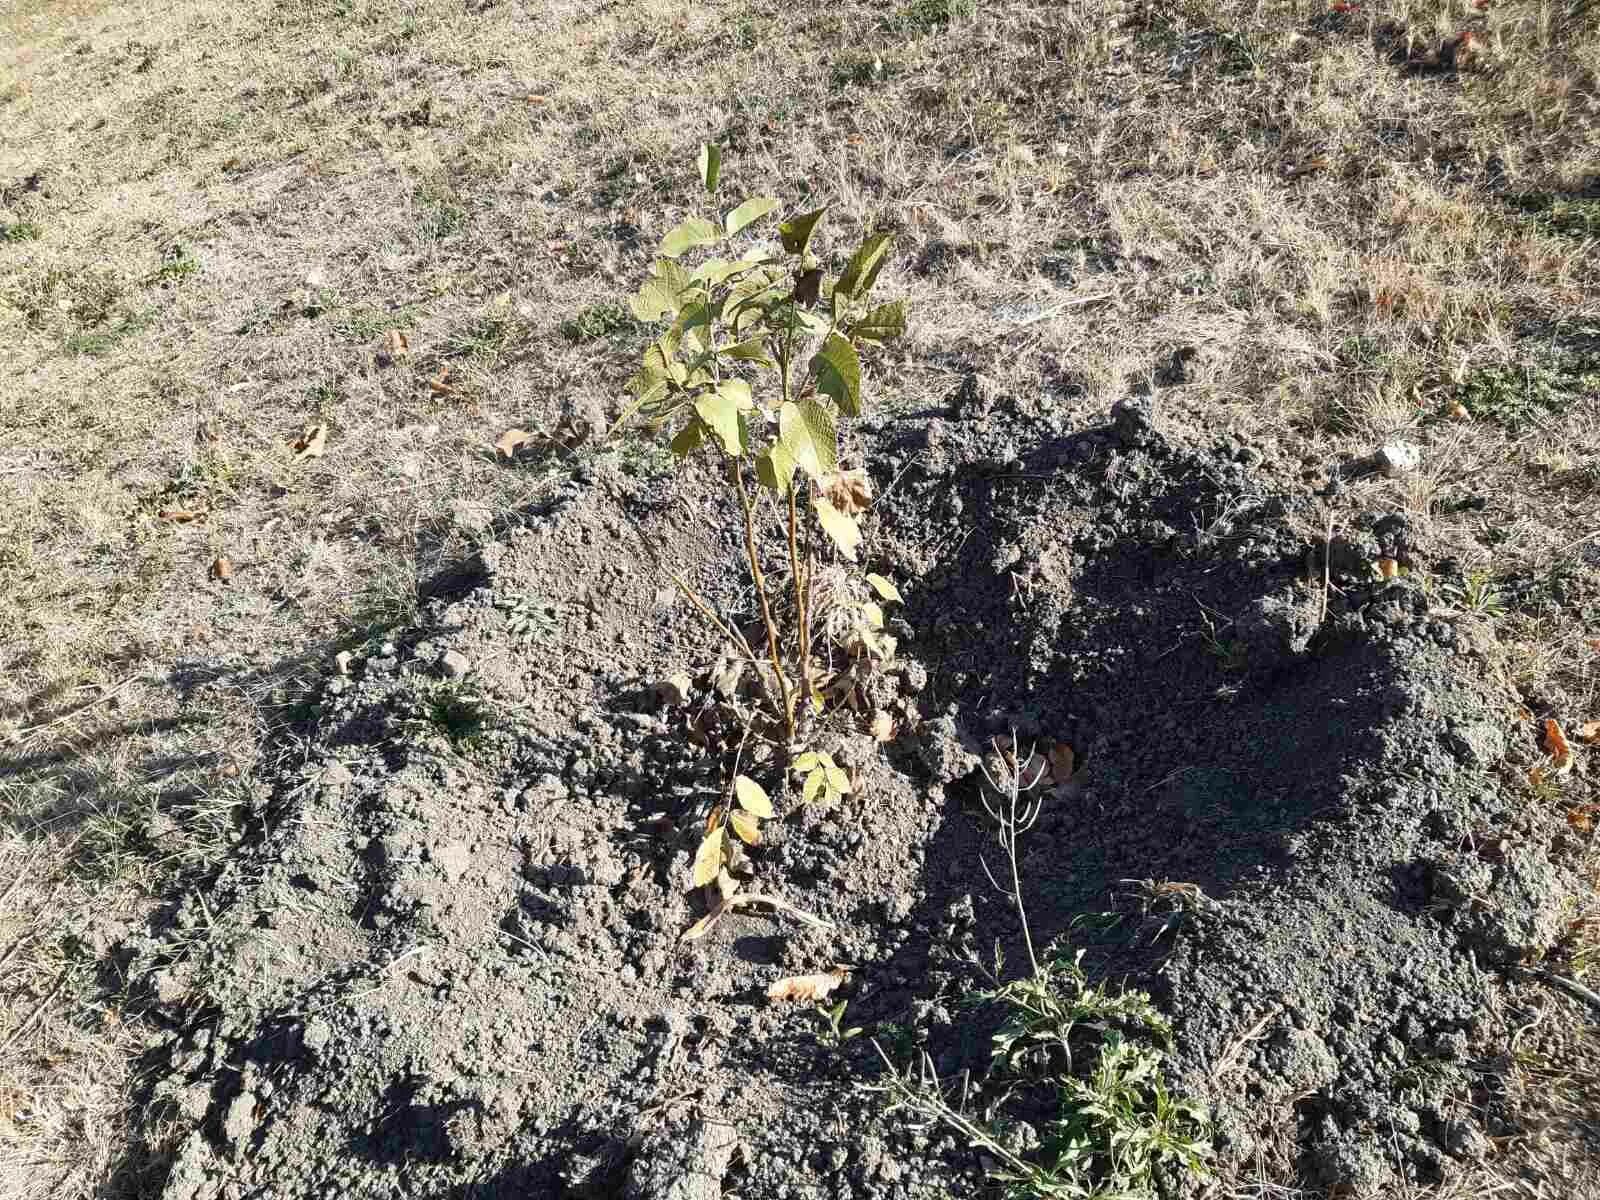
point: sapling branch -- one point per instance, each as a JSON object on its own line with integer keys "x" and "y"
{"x": 736, "y": 472}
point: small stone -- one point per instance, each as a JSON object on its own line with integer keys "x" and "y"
{"x": 240, "y": 1121}
{"x": 455, "y": 664}
{"x": 674, "y": 691}
{"x": 1399, "y": 458}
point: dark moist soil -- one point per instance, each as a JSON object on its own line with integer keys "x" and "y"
{"x": 450, "y": 964}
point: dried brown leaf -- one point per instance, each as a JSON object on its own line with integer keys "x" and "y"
{"x": 513, "y": 440}
{"x": 808, "y": 989}
{"x": 1557, "y": 746}
{"x": 1388, "y": 568}
{"x": 313, "y": 440}
{"x": 747, "y": 828}
{"x": 848, "y": 491}
{"x": 181, "y": 516}
{"x": 222, "y": 568}
{"x": 1589, "y": 731}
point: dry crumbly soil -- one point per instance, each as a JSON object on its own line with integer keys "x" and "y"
{"x": 427, "y": 926}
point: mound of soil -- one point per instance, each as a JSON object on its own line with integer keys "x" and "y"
{"x": 450, "y": 965}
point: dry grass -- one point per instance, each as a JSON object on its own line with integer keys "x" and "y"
{"x": 211, "y": 214}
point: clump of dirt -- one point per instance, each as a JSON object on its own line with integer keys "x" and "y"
{"x": 450, "y": 965}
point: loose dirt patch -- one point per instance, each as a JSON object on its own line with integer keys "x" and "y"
{"x": 451, "y": 966}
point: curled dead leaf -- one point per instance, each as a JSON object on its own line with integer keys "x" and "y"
{"x": 1582, "y": 817}
{"x": 440, "y": 384}
{"x": 222, "y": 568}
{"x": 1388, "y": 568}
{"x": 1557, "y": 746}
{"x": 313, "y": 440}
{"x": 848, "y": 491}
{"x": 808, "y": 989}
{"x": 512, "y": 440}
{"x": 1589, "y": 731}
{"x": 1459, "y": 412}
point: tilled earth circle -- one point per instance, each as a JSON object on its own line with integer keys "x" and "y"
{"x": 451, "y": 965}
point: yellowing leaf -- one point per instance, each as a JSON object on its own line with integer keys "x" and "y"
{"x": 512, "y": 440}
{"x": 752, "y": 209}
{"x": 838, "y": 781}
{"x": 313, "y": 440}
{"x": 814, "y": 783}
{"x": 696, "y": 231}
{"x": 807, "y": 431}
{"x": 775, "y": 468}
{"x": 751, "y": 796}
{"x": 808, "y": 989}
{"x": 885, "y": 589}
{"x": 873, "y": 614}
{"x": 747, "y": 827}
{"x": 843, "y": 530}
{"x": 806, "y": 762}
{"x": 709, "y": 857}
{"x": 721, "y": 413}
{"x": 882, "y": 323}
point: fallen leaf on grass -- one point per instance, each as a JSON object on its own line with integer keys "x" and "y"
{"x": 743, "y": 900}
{"x": 808, "y": 989}
{"x": 534, "y": 98}
{"x": 1582, "y": 817}
{"x": 395, "y": 344}
{"x": 1459, "y": 412}
{"x": 181, "y": 516}
{"x": 222, "y": 568}
{"x": 440, "y": 385}
{"x": 513, "y": 440}
{"x": 1557, "y": 746}
{"x": 312, "y": 442}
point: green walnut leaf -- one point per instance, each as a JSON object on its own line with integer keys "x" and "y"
{"x": 839, "y": 374}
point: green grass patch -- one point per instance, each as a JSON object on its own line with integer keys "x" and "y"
{"x": 931, "y": 16}
{"x": 1517, "y": 395}
{"x": 21, "y": 231}
{"x": 1569, "y": 216}
{"x": 598, "y": 321}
